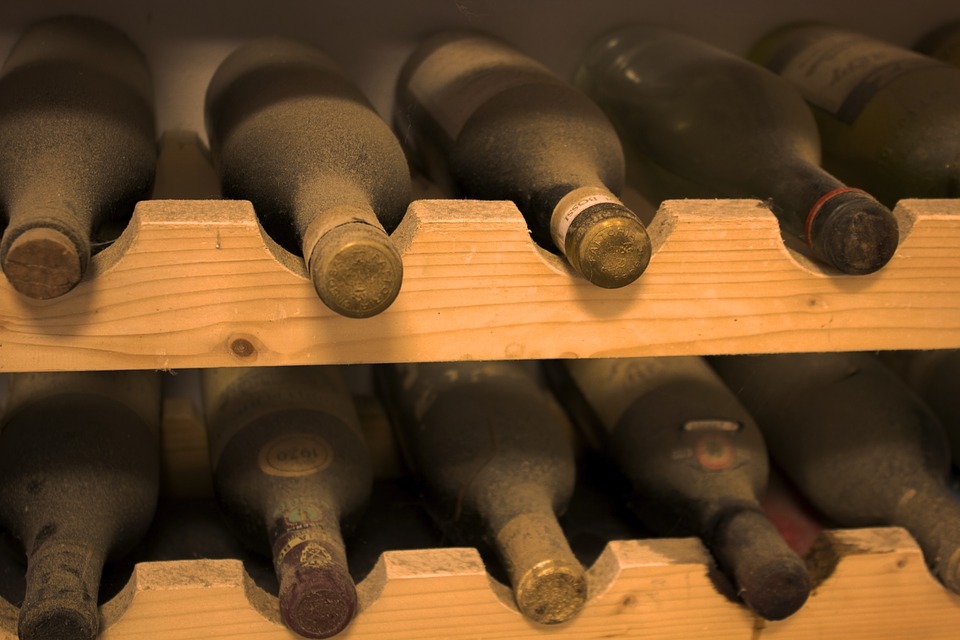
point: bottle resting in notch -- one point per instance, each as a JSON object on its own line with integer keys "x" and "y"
{"x": 485, "y": 121}
{"x": 77, "y": 147}
{"x": 496, "y": 466}
{"x": 79, "y": 478}
{"x": 705, "y": 123}
{"x": 290, "y": 467}
{"x": 860, "y": 446}
{"x": 889, "y": 117}
{"x": 696, "y": 461}
{"x": 327, "y": 177}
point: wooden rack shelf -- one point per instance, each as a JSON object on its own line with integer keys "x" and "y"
{"x": 195, "y": 283}
{"x": 876, "y": 587}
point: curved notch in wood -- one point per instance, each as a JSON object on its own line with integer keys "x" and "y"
{"x": 877, "y": 587}
{"x": 194, "y": 283}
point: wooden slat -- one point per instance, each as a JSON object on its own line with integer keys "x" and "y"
{"x": 195, "y": 284}
{"x": 877, "y": 588}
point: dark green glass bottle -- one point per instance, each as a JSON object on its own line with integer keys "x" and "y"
{"x": 487, "y": 122}
{"x": 290, "y": 467}
{"x": 77, "y": 147}
{"x": 79, "y": 478}
{"x": 889, "y": 117}
{"x": 328, "y": 179}
{"x": 857, "y": 443}
{"x": 696, "y": 462}
{"x": 705, "y": 123}
{"x": 496, "y": 467}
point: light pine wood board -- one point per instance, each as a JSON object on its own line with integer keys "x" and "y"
{"x": 878, "y": 588}
{"x": 196, "y": 284}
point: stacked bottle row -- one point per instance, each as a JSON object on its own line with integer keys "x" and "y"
{"x": 330, "y": 180}
{"x": 494, "y": 457}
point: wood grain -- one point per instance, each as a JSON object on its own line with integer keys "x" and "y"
{"x": 876, "y": 587}
{"x": 194, "y": 283}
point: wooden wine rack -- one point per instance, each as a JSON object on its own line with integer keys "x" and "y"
{"x": 194, "y": 283}
{"x": 197, "y": 284}
{"x": 874, "y": 586}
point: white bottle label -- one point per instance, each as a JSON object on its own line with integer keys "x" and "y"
{"x": 571, "y": 206}
{"x": 841, "y": 72}
{"x": 457, "y": 78}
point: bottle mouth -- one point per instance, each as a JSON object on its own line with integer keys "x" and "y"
{"x": 43, "y": 623}
{"x": 552, "y": 592}
{"x": 778, "y": 589}
{"x": 318, "y": 598}
{"x": 608, "y": 245}
{"x": 356, "y": 270}
{"x": 43, "y": 262}
{"x": 852, "y": 231}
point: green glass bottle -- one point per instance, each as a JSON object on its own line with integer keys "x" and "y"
{"x": 696, "y": 462}
{"x": 328, "y": 179}
{"x": 496, "y": 467}
{"x": 889, "y": 117}
{"x": 705, "y": 124}
{"x": 487, "y": 122}
{"x": 860, "y": 446}
{"x": 79, "y": 478}
{"x": 77, "y": 147}
{"x": 290, "y": 467}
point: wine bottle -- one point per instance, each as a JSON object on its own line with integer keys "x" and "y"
{"x": 933, "y": 376}
{"x": 857, "y": 443}
{"x": 705, "y": 123}
{"x": 887, "y": 115}
{"x": 696, "y": 462}
{"x": 328, "y": 179}
{"x": 77, "y": 147}
{"x": 487, "y": 122}
{"x": 79, "y": 477}
{"x": 290, "y": 466}
{"x": 496, "y": 467}
{"x": 942, "y": 43}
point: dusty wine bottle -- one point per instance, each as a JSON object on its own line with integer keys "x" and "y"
{"x": 487, "y": 122}
{"x": 942, "y": 43}
{"x": 77, "y": 147}
{"x": 79, "y": 474}
{"x": 327, "y": 177}
{"x": 696, "y": 461}
{"x": 857, "y": 443}
{"x": 705, "y": 123}
{"x": 496, "y": 466}
{"x": 887, "y": 115}
{"x": 290, "y": 466}
{"x": 933, "y": 376}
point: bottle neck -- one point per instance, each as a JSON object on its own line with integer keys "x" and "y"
{"x": 317, "y": 595}
{"x": 932, "y": 516}
{"x": 768, "y": 575}
{"x": 794, "y": 194}
{"x": 62, "y": 584}
{"x": 549, "y": 584}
